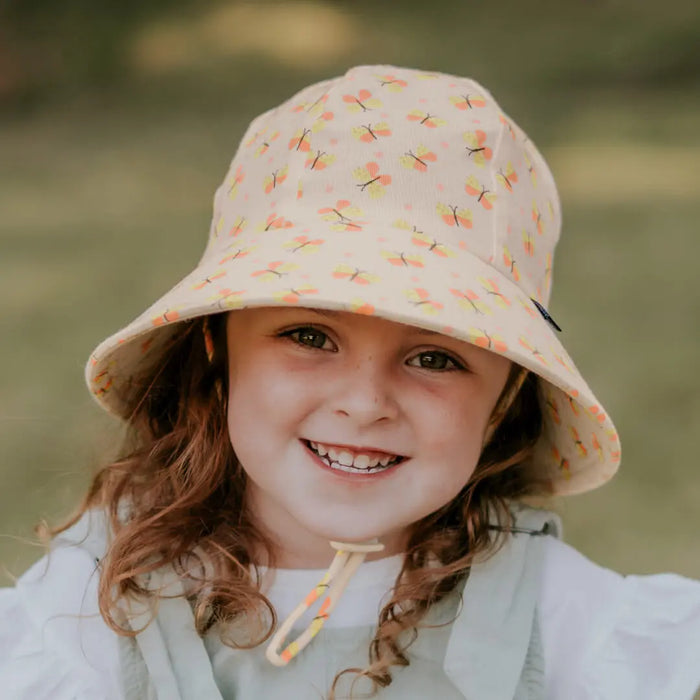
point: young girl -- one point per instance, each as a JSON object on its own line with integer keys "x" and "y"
{"x": 361, "y": 368}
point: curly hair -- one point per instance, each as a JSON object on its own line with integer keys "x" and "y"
{"x": 176, "y": 496}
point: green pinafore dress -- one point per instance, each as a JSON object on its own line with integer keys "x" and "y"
{"x": 484, "y": 645}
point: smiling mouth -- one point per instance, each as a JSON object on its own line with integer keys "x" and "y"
{"x": 344, "y": 460}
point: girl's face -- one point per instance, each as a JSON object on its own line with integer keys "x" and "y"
{"x": 351, "y": 427}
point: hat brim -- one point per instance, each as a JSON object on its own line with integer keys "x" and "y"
{"x": 467, "y": 299}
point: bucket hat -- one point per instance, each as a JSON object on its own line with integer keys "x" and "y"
{"x": 405, "y": 194}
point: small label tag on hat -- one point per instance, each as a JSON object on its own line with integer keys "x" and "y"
{"x": 546, "y": 316}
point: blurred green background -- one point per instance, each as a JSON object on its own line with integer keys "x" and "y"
{"x": 118, "y": 119}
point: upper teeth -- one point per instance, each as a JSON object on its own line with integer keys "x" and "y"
{"x": 347, "y": 459}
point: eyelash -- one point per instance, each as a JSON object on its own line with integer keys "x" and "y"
{"x": 295, "y": 335}
{"x": 305, "y": 329}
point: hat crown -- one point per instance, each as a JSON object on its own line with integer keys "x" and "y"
{"x": 430, "y": 153}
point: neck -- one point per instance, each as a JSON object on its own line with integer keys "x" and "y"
{"x": 316, "y": 552}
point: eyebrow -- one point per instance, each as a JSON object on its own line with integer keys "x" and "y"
{"x": 331, "y": 313}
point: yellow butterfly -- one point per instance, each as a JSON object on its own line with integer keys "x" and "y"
{"x": 421, "y": 299}
{"x": 470, "y": 300}
{"x": 418, "y": 160}
{"x": 371, "y": 180}
{"x": 354, "y": 274}
{"x": 362, "y": 102}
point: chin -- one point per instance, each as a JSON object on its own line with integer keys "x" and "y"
{"x": 354, "y": 533}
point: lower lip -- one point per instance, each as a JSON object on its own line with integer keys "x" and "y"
{"x": 350, "y": 476}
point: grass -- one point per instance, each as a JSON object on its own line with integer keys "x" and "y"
{"x": 105, "y": 200}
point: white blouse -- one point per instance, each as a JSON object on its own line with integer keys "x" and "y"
{"x": 605, "y": 636}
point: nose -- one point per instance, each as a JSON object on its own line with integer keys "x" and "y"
{"x": 366, "y": 392}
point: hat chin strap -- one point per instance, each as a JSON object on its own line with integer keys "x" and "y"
{"x": 348, "y": 557}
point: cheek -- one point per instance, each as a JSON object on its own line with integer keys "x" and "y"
{"x": 455, "y": 423}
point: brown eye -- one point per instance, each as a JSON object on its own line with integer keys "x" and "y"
{"x": 435, "y": 360}
{"x": 309, "y": 336}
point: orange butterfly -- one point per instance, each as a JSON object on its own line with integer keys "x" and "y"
{"x": 219, "y": 225}
{"x": 237, "y": 253}
{"x": 535, "y": 352}
{"x": 228, "y": 299}
{"x": 371, "y": 180}
{"x": 108, "y": 384}
{"x": 510, "y": 262}
{"x": 167, "y": 316}
{"x": 429, "y": 120}
{"x": 573, "y": 404}
{"x": 469, "y": 299}
{"x": 528, "y": 243}
{"x": 238, "y": 225}
{"x": 265, "y": 145}
{"x": 354, "y": 274}
{"x": 401, "y": 259}
{"x": 274, "y": 221}
{"x": 548, "y": 271}
{"x": 479, "y": 337}
{"x": 537, "y": 218}
{"x": 531, "y": 170}
{"x": 596, "y": 446}
{"x": 433, "y": 245}
{"x": 342, "y": 215}
{"x": 392, "y": 83}
{"x": 483, "y": 196}
{"x": 453, "y": 216}
{"x": 368, "y": 133}
{"x": 301, "y": 141}
{"x": 553, "y": 409}
{"x": 274, "y": 270}
{"x": 208, "y": 280}
{"x": 418, "y": 160}
{"x": 320, "y": 161}
{"x": 581, "y": 448}
{"x": 304, "y": 244}
{"x": 254, "y": 138}
{"x": 402, "y": 223}
{"x": 477, "y": 150}
{"x": 314, "y": 108}
{"x": 597, "y": 413}
{"x": 527, "y": 306}
{"x": 562, "y": 464}
{"x": 467, "y": 101}
{"x": 362, "y": 102}
{"x": 492, "y": 290}
{"x": 560, "y": 360}
{"x": 420, "y": 298}
{"x": 275, "y": 179}
{"x": 508, "y": 177}
{"x": 235, "y": 181}
{"x": 292, "y": 296}
{"x": 359, "y": 306}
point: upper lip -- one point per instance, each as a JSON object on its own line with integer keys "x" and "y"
{"x": 355, "y": 449}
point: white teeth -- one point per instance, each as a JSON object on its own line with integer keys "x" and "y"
{"x": 361, "y": 462}
{"x": 346, "y": 459}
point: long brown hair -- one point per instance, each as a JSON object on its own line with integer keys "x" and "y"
{"x": 176, "y": 496}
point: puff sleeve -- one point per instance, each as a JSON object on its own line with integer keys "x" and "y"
{"x": 611, "y": 637}
{"x": 53, "y": 643}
